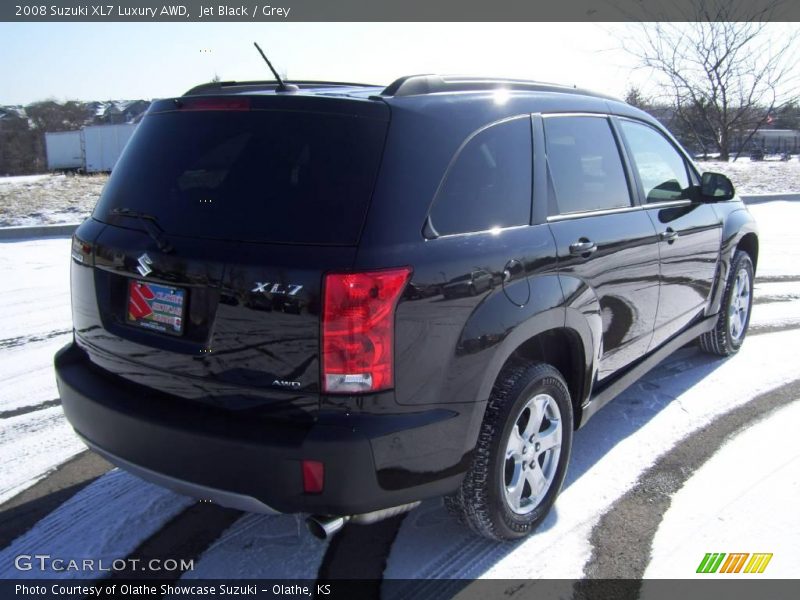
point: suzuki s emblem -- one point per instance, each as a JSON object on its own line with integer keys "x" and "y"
{"x": 144, "y": 265}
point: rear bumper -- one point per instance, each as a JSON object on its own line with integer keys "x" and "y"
{"x": 187, "y": 488}
{"x": 255, "y": 464}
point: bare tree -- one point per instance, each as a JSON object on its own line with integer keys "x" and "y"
{"x": 724, "y": 70}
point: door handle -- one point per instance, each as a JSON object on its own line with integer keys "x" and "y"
{"x": 669, "y": 236}
{"x": 582, "y": 247}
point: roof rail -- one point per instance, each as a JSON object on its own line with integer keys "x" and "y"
{"x": 413, "y": 85}
{"x": 230, "y": 87}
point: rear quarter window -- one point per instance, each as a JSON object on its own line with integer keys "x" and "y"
{"x": 489, "y": 183}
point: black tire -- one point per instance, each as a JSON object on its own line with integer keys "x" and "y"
{"x": 722, "y": 340}
{"x": 482, "y": 500}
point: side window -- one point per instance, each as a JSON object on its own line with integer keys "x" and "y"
{"x": 661, "y": 168}
{"x": 489, "y": 185}
{"x": 584, "y": 164}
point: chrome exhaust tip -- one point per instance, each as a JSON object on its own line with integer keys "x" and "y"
{"x": 325, "y": 527}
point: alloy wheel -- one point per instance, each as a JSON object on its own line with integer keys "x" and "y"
{"x": 532, "y": 453}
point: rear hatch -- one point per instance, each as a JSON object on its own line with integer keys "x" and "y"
{"x": 211, "y": 238}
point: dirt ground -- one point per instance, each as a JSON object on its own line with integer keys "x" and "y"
{"x": 46, "y": 199}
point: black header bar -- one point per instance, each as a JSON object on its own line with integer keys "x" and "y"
{"x": 397, "y": 10}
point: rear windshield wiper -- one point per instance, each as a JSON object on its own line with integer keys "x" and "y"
{"x": 150, "y": 224}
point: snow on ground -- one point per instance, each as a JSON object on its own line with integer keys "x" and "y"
{"x": 24, "y": 179}
{"x": 35, "y": 321}
{"x": 758, "y": 177}
{"x": 31, "y": 446}
{"x": 107, "y": 520}
{"x": 778, "y": 255}
{"x": 752, "y": 508}
{"x": 46, "y": 199}
{"x": 29, "y": 368}
{"x": 775, "y": 314}
{"x": 626, "y": 437}
{"x": 778, "y": 291}
{"x": 264, "y": 547}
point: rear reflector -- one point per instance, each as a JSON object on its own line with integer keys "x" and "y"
{"x": 313, "y": 476}
{"x": 214, "y": 104}
{"x": 358, "y": 329}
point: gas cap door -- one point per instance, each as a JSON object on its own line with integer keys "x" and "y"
{"x": 515, "y": 283}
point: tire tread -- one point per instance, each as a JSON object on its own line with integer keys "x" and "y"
{"x": 471, "y": 504}
{"x": 717, "y": 341}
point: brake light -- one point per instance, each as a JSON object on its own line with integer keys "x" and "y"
{"x": 214, "y": 104}
{"x": 358, "y": 329}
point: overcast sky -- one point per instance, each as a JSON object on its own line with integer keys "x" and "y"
{"x": 98, "y": 61}
{"x": 101, "y": 61}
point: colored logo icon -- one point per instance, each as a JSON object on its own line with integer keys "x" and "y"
{"x": 719, "y": 562}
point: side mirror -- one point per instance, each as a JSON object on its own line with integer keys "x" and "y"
{"x": 716, "y": 186}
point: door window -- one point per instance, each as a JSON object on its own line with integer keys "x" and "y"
{"x": 584, "y": 165}
{"x": 661, "y": 168}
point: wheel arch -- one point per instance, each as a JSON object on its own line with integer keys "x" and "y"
{"x": 739, "y": 232}
{"x": 749, "y": 243}
{"x": 561, "y": 346}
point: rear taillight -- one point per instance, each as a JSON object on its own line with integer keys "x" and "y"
{"x": 81, "y": 251}
{"x": 358, "y": 329}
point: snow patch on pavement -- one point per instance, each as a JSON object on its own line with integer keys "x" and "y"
{"x": 34, "y": 286}
{"x": 105, "y": 521}
{"x": 775, "y": 314}
{"x": 746, "y": 509}
{"x": 31, "y": 446}
{"x": 35, "y": 322}
{"x": 779, "y": 291}
{"x": 264, "y": 547}
{"x": 26, "y": 374}
{"x": 777, "y": 235}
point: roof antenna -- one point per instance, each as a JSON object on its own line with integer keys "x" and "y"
{"x": 282, "y": 87}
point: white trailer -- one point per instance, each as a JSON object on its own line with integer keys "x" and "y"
{"x": 103, "y": 145}
{"x": 64, "y": 150}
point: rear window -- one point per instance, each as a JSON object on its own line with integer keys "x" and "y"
{"x": 261, "y": 175}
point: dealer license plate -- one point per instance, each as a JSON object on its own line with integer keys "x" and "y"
{"x": 156, "y": 307}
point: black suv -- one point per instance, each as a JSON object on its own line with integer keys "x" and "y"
{"x": 340, "y": 299}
